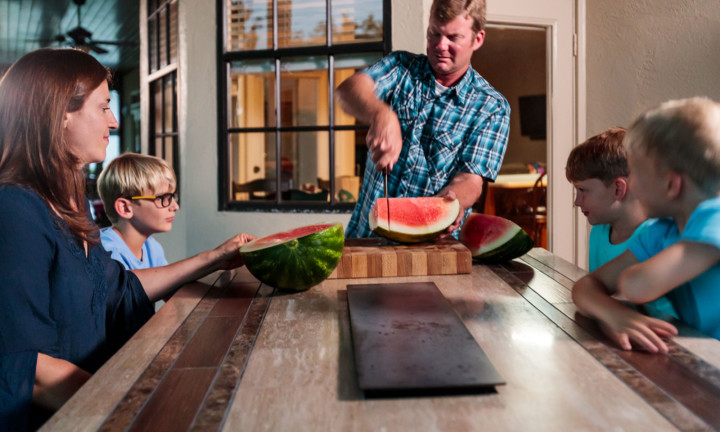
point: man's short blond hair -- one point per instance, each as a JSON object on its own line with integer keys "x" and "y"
{"x": 131, "y": 174}
{"x": 447, "y": 10}
{"x": 684, "y": 136}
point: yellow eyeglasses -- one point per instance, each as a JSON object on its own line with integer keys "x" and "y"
{"x": 161, "y": 201}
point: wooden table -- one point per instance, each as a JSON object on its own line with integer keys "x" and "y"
{"x": 231, "y": 354}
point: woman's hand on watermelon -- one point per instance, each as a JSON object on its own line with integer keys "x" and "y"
{"x": 229, "y": 252}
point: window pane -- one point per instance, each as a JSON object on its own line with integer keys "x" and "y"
{"x": 305, "y": 159}
{"x": 173, "y": 32}
{"x": 162, "y": 38}
{"x": 169, "y": 153}
{"x": 249, "y": 25}
{"x": 156, "y": 91}
{"x": 152, "y": 43}
{"x": 304, "y": 92}
{"x": 345, "y": 66}
{"x": 158, "y": 148}
{"x": 301, "y": 23}
{"x": 357, "y": 21}
{"x": 252, "y": 94}
{"x": 169, "y": 84}
{"x": 252, "y": 168}
{"x": 350, "y": 158}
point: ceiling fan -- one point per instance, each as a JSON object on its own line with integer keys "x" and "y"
{"x": 80, "y": 37}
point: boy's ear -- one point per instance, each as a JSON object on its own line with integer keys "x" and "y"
{"x": 621, "y": 188}
{"x": 123, "y": 208}
{"x": 674, "y": 184}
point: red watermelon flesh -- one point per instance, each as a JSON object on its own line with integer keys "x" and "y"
{"x": 283, "y": 237}
{"x": 413, "y": 220}
{"x": 493, "y": 238}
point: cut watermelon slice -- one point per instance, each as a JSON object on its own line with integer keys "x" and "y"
{"x": 413, "y": 220}
{"x": 297, "y": 259}
{"x": 493, "y": 239}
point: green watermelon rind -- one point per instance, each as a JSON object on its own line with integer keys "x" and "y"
{"x": 298, "y": 264}
{"x": 518, "y": 245}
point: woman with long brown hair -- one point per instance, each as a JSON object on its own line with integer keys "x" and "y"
{"x": 66, "y": 307}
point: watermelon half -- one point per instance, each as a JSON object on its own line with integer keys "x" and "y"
{"x": 297, "y": 259}
{"x": 493, "y": 239}
{"x": 413, "y": 220}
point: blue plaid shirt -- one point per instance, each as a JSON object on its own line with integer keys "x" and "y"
{"x": 464, "y": 129}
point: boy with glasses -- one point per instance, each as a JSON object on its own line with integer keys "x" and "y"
{"x": 138, "y": 192}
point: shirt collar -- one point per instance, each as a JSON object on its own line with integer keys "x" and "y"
{"x": 459, "y": 90}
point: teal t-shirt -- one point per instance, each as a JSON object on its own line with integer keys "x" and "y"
{"x": 696, "y": 301}
{"x": 602, "y": 251}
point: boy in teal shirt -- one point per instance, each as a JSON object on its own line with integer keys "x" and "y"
{"x": 674, "y": 156}
{"x": 598, "y": 170}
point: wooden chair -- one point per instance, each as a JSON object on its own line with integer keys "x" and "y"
{"x": 538, "y": 205}
{"x": 262, "y": 189}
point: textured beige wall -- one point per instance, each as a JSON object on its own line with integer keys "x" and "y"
{"x": 642, "y": 52}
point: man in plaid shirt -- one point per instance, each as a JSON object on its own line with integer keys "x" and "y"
{"x": 435, "y": 123}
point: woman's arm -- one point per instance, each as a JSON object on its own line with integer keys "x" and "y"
{"x": 159, "y": 282}
{"x": 56, "y": 381}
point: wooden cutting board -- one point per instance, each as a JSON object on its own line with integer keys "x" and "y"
{"x": 375, "y": 257}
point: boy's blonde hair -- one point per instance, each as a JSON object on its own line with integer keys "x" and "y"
{"x": 684, "y": 136}
{"x": 601, "y": 156}
{"x": 130, "y": 174}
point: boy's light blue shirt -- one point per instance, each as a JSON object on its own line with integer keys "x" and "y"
{"x": 153, "y": 253}
{"x": 697, "y": 301}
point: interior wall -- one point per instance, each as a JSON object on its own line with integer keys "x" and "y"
{"x": 513, "y": 62}
{"x": 644, "y": 52}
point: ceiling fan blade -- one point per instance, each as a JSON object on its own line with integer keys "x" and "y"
{"x": 96, "y": 49}
{"x": 128, "y": 43}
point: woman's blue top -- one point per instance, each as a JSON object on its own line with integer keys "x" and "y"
{"x": 55, "y": 300}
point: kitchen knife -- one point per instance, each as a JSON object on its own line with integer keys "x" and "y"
{"x": 387, "y": 198}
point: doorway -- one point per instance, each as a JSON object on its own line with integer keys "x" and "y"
{"x": 520, "y": 191}
{"x": 562, "y": 23}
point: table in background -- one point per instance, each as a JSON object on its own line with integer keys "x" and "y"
{"x": 231, "y": 354}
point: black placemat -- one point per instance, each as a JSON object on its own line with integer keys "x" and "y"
{"x": 408, "y": 340}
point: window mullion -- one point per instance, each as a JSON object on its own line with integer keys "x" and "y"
{"x": 331, "y": 119}
{"x": 278, "y": 123}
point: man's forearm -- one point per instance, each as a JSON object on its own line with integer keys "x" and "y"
{"x": 467, "y": 188}
{"x": 356, "y": 96}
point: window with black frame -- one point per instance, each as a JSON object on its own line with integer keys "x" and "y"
{"x": 284, "y": 144}
{"x": 162, "y": 53}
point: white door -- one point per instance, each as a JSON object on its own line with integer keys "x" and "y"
{"x": 567, "y": 229}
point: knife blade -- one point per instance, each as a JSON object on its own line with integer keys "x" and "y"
{"x": 387, "y": 198}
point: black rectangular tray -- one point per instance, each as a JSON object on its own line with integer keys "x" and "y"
{"x": 409, "y": 341}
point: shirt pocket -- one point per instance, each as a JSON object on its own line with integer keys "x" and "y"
{"x": 406, "y": 115}
{"x": 442, "y": 156}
